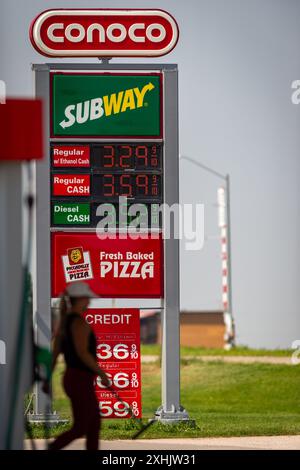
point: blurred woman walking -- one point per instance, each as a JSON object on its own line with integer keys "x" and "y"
{"x": 76, "y": 341}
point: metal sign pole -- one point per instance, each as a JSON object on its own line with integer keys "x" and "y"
{"x": 171, "y": 411}
{"x": 42, "y": 271}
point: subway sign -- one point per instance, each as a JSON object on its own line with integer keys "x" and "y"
{"x": 111, "y": 105}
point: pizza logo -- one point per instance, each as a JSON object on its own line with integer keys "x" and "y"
{"x": 75, "y": 255}
{"x": 77, "y": 264}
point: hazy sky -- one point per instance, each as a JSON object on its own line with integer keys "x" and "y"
{"x": 237, "y": 60}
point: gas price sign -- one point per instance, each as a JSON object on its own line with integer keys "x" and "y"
{"x": 117, "y": 334}
{"x": 84, "y": 176}
{"x": 101, "y": 174}
{"x": 112, "y": 180}
{"x": 112, "y": 164}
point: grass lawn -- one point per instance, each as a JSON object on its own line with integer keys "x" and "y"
{"x": 155, "y": 349}
{"x": 224, "y": 399}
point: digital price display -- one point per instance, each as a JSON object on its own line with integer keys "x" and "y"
{"x": 140, "y": 186}
{"x": 119, "y": 157}
{"x": 89, "y": 174}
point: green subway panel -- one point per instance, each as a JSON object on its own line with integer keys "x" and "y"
{"x": 106, "y": 105}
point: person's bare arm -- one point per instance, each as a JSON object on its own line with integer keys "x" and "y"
{"x": 80, "y": 334}
{"x": 56, "y": 350}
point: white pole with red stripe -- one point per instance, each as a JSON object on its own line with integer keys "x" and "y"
{"x": 224, "y": 224}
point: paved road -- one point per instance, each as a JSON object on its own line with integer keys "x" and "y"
{"x": 211, "y": 443}
{"x": 231, "y": 359}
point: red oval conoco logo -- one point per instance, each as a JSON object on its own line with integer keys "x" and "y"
{"x": 100, "y": 33}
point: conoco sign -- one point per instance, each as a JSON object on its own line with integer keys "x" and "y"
{"x": 104, "y": 33}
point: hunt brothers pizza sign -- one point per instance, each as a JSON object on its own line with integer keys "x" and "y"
{"x": 100, "y": 33}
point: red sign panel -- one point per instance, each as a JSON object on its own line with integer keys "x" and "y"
{"x": 118, "y": 353}
{"x": 119, "y": 265}
{"x": 28, "y": 143}
{"x": 71, "y": 156}
{"x": 71, "y": 185}
{"x": 100, "y": 33}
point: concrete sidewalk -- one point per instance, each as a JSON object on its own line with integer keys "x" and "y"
{"x": 210, "y": 443}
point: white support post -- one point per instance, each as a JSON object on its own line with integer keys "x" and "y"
{"x": 10, "y": 295}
